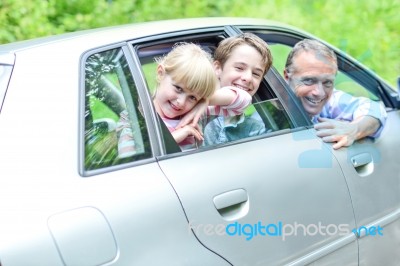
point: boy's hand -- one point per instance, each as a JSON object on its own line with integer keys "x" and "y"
{"x": 193, "y": 116}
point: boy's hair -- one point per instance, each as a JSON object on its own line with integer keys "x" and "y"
{"x": 225, "y": 47}
{"x": 189, "y": 64}
{"x": 320, "y": 50}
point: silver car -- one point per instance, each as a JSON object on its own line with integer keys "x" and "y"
{"x": 281, "y": 198}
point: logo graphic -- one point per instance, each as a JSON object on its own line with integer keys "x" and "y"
{"x": 279, "y": 229}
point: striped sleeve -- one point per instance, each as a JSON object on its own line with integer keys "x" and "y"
{"x": 343, "y": 106}
{"x": 126, "y": 143}
{"x": 236, "y": 107}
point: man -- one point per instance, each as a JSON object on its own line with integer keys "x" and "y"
{"x": 310, "y": 71}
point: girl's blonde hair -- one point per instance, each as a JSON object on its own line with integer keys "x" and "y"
{"x": 189, "y": 64}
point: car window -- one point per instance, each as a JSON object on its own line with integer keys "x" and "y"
{"x": 279, "y": 55}
{"x": 115, "y": 129}
{"x": 266, "y": 111}
{"x": 345, "y": 83}
{"x": 273, "y": 115}
{"x": 343, "y": 80}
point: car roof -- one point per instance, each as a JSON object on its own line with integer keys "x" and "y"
{"x": 115, "y": 34}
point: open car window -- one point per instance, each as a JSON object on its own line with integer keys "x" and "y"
{"x": 267, "y": 113}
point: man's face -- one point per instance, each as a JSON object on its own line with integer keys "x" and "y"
{"x": 243, "y": 69}
{"x": 312, "y": 79}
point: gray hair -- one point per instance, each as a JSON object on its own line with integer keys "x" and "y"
{"x": 320, "y": 50}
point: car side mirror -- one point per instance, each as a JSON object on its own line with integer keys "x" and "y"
{"x": 398, "y": 90}
{"x": 398, "y": 85}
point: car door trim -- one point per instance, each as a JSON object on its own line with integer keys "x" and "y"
{"x": 325, "y": 250}
{"x": 382, "y": 222}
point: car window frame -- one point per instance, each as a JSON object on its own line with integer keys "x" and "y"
{"x": 291, "y": 105}
{"x": 82, "y": 107}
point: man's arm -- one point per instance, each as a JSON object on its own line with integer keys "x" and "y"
{"x": 348, "y": 118}
{"x": 345, "y": 133}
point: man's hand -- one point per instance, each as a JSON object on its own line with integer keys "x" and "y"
{"x": 193, "y": 116}
{"x": 345, "y": 133}
{"x": 341, "y": 132}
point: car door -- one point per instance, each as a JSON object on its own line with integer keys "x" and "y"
{"x": 371, "y": 166}
{"x": 112, "y": 209}
{"x": 288, "y": 183}
{"x": 372, "y": 170}
{"x": 276, "y": 198}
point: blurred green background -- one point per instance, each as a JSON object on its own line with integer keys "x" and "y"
{"x": 368, "y": 30}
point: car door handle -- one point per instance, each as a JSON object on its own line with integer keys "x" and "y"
{"x": 363, "y": 163}
{"x": 361, "y": 159}
{"x": 233, "y": 204}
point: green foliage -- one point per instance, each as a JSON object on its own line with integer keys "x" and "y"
{"x": 368, "y": 30}
{"x": 24, "y": 20}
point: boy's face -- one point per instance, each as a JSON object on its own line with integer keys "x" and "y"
{"x": 243, "y": 69}
{"x": 173, "y": 99}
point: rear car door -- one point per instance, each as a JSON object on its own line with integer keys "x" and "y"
{"x": 62, "y": 109}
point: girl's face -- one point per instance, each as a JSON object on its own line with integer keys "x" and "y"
{"x": 173, "y": 99}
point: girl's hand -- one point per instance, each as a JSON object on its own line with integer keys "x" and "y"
{"x": 188, "y": 130}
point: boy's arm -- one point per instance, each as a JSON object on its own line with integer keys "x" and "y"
{"x": 223, "y": 96}
{"x": 226, "y": 101}
{"x": 193, "y": 116}
{"x": 229, "y": 101}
